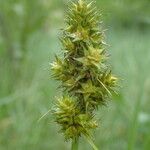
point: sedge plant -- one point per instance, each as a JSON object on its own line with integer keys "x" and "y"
{"x": 86, "y": 78}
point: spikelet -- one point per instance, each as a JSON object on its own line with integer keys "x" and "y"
{"x": 72, "y": 121}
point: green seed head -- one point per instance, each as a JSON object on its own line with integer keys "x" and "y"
{"x": 86, "y": 79}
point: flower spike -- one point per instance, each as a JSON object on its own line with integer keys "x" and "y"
{"x": 86, "y": 79}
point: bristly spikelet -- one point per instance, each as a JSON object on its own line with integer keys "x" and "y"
{"x": 72, "y": 121}
{"x": 85, "y": 77}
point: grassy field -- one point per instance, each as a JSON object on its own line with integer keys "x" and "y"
{"x": 124, "y": 124}
{"x": 27, "y": 94}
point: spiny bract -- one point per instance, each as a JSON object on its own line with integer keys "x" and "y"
{"x": 86, "y": 79}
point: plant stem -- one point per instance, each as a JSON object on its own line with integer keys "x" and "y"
{"x": 135, "y": 121}
{"x": 75, "y": 142}
{"x": 134, "y": 127}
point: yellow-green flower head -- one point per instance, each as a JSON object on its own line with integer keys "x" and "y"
{"x": 85, "y": 77}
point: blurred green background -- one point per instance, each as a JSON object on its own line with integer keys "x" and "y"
{"x": 29, "y": 39}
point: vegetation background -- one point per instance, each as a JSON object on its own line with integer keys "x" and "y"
{"x": 29, "y": 38}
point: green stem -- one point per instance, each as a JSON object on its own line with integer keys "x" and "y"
{"x": 134, "y": 126}
{"x": 75, "y": 142}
